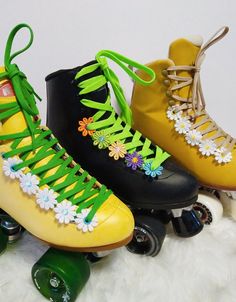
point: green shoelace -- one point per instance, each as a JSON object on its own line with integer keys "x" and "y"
{"x": 44, "y": 144}
{"x": 113, "y": 125}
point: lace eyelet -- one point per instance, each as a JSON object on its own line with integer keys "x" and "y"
{"x": 168, "y": 93}
{"x": 192, "y": 119}
{"x": 164, "y": 72}
{"x": 166, "y": 83}
{"x": 171, "y": 102}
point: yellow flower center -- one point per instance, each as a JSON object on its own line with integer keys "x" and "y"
{"x": 134, "y": 160}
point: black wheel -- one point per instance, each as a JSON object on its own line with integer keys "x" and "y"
{"x": 3, "y": 241}
{"x": 149, "y": 234}
{"x": 61, "y": 275}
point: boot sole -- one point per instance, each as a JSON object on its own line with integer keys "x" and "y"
{"x": 91, "y": 249}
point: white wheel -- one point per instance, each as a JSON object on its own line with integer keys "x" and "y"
{"x": 208, "y": 207}
{"x": 228, "y": 200}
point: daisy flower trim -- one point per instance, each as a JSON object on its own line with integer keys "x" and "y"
{"x": 182, "y": 125}
{"x": 149, "y": 171}
{"x": 83, "y": 126}
{"x": 82, "y": 223}
{"x": 8, "y": 167}
{"x": 29, "y": 183}
{"x": 46, "y": 199}
{"x": 101, "y": 139}
{"x": 172, "y": 115}
{"x": 194, "y": 138}
{"x": 207, "y": 147}
{"x": 65, "y": 212}
{"x": 223, "y": 157}
{"x": 134, "y": 160}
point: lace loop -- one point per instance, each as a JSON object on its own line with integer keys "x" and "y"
{"x": 8, "y": 57}
{"x": 126, "y": 113}
{"x": 24, "y": 92}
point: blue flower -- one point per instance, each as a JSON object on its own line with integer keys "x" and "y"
{"x": 147, "y": 167}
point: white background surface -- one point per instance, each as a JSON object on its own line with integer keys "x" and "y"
{"x": 69, "y": 33}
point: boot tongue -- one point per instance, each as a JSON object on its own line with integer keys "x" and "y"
{"x": 184, "y": 52}
{"x": 15, "y": 123}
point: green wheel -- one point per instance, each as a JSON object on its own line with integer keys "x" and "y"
{"x": 60, "y": 275}
{"x": 3, "y": 241}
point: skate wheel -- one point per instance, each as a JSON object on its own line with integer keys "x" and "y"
{"x": 209, "y": 208}
{"x": 3, "y": 241}
{"x": 60, "y": 275}
{"x": 149, "y": 234}
{"x": 229, "y": 203}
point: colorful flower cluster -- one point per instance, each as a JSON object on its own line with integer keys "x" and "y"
{"x": 193, "y": 137}
{"x": 46, "y": 199}
{"x": 118, "y": 150}
{"x": 83, "y": 126}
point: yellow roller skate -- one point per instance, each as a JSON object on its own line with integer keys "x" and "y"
{"x": 45, "y": 192}
{"x": 171, "y": 112}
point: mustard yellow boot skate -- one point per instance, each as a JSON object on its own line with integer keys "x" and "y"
{"x": 171, "y": 112}
{"x": 43, "y": 190}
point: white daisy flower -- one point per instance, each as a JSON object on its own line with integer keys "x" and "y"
{"x": 29, "y": 183}
{"x": 46, "y": 199}
{"x": 207, "y": 147}
{"x": 83, "y": 224}
{"x": 8, "y": 167}
{"x": 223, "y": 157}
{"x": 66, "y": 297}
{"x": 172, "y": 114}
{"x": 65, "y": 212}
{"x": 193, "y": 137}
{"x": 182, "y": 125}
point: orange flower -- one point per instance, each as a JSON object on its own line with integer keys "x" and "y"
{"x": 83, "y": 126}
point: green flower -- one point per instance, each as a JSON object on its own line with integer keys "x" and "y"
{"x": 101, "y": 139}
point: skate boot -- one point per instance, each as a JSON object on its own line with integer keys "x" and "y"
{"x": 45, "y": 192}
{"x": 172, "y": 113}
{"x": 82, "y": 117}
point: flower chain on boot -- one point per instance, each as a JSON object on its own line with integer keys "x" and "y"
{"x": 189, "y": 115}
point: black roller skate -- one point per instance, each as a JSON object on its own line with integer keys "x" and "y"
{"x": 81, "y": 115}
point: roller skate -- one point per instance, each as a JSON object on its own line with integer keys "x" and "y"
{"x": 46, "y": 193}
{"x": 171, "y": 112}
{"x": 81, "y": 116}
